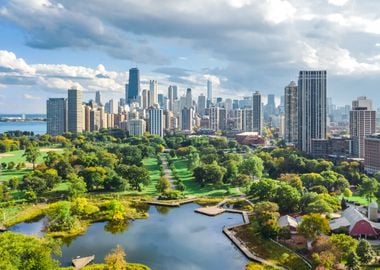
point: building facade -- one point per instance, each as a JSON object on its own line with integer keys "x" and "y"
{"x": 56, "y": 118}
{"x": 312, "y": 88}
{"x": 291, "y": 113}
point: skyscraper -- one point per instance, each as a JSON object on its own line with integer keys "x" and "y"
{"x": 209, "y": 93}
{"x": 153, "y": 93}
{"x": 144, "y": 99}
{"x": 172, "y": 96}
{"x": 270, "y": 108}
{"x": 74, "y": 111}
{"x": 98, "y": 98}
{"x": 257, "y": 113}
{"x": 133, "y": 86}
{"x": 189, "y": 98}
{"x": 155, "y": 121}
{"x": 291, "y": 113}
{"x": 362, "y": 124}
{"x": 187, "y": 119}
{"x": 312, "y": 90}
{"x": 201, "y": 104}
{"x": 56, "y": 109}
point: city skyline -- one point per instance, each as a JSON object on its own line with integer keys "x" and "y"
{"x": 94, "y": 48}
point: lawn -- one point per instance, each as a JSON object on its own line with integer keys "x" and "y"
{"x": 269, "y": 250}
{"x": 357, "y": 199}
{"x": 192, "y": 188}
{"x": 17, "y": 157}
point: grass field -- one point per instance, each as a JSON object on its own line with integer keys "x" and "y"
{"x": 357, "y": 199}
{"x": 194, "y": 189}
{"x": 17, "y": 157}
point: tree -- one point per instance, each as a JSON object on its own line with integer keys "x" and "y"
{"x": 32, "y": 153}
{"x": 353, "y": 261}
{"x": 263, "y": 190}
{"x": 365, "y": 251}
{"x": 19, "y": 251}
{"x": 116, "y": 259}
{"x": 94, "y": 177}
{"x": 209, "y": 174}
{"x": 368, "y": 188}
{"x": 162, "y": 184}
{"x": 266, "y": 216}
{"x": 287, "y": 197}
{"x": 347, "y": 192}
{"x": 61, "y": 217}
{"x": 136, "y": 176}
{"x": 345, "y": 244}
{"x": 313, "y": 225}
{"x": 116, "y": 211}
{"x": 252, "y": 166}
{"x": 77, "y": 186}
{"x": 242, "y": 180}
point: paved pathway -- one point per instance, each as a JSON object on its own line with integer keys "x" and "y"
{"x": 167, "y": 171}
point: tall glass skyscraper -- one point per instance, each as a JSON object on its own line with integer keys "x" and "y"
{"x": 56, "y": 109}
{"x": 133, "y": 88}
{"x": 74, "y": 111}
{"x": 312, "y": 108}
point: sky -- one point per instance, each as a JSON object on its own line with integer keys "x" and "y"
{"x": 48, "y": 46}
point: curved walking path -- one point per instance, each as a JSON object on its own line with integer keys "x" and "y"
{"x": 229, "y": 232}
{"x": 167, "y": 171}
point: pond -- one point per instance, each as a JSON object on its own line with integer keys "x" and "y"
{"x": 171, "y": 238}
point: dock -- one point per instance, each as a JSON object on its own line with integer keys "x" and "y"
{"x": 176, "y": 203}
{"x": 81, "y": 262}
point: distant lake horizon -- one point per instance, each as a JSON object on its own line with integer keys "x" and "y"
{"x": 37, "y": 127}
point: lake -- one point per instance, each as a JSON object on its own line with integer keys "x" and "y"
{"x": 171, "y": 238}
{"x": 38, "y": 127}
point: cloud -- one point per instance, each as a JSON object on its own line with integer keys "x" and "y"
{"x": 30, "y": 97}
{"x": 257, "y": 44}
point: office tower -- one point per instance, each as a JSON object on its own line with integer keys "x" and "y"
{"x": 187, "y": 119}
{"x": 189, "y": 98}
{"x": 291, "y": 113}
{"x": 209, "y": 93}
{"x": 228, "y": 105}
{"x": 371, "y": 153}
{"x": 201, "y": 104}
{"x": 257, "y": 113}
{"x": 155, "y": 121}
{"x": 126, "y": 93}
{"x": 237, "y": 116}
{"x": 214, "y": 118}
{"x": 136, "y": 127}
{"x": 172, "y": 96}
{"x": 235, "y": 104}
{"x": 144, "y": 100}
{"x": 247, "y": 119}
{"x": 56, "y": 117}
{"x": 270, "y": 108}
{"x": 161, "y": 101}
{"x": 362, "y": 124}
{"x": 112, "y": 106}
{"x": 133, "y": 86}
{"x": 246, "y": 102}
{"x": 98, "y": 98}
{"x": 153, "y": 93}
{"x": 312, "y": 90}
{"x": 74, "y": 111}
{"x": 222, "y": 119}
{"x": 219, "y": 100}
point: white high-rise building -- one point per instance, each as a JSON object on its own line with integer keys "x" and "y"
{"x": 172, "y": 96}
{"x": 155, "y": 121}
{"x": 312, "y": 108}
{"x": 153, "y": 93}
{"x": 214, "y": 118}
{"x": 362, "y": 124}
{"x": 136, "y": 127}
